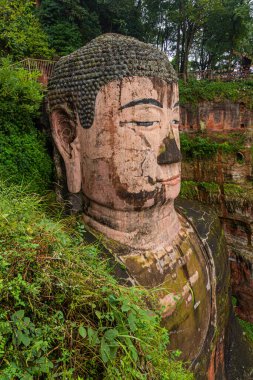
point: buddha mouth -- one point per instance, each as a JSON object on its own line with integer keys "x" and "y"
{"x": 170, "y": 181}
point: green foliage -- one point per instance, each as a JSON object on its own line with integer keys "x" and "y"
{"x": 62, "y": 314}
{"x": 247, "y": 329}
{"x": 72, "y": 23}
{"x": 231, "y": 189}
{"x": 191, "y": 189}
{"x": 20, "y": 32}
{"x": 121, "y": 16}
{"x": 197, "y": 147}
{"x": 200, "y": 147}
{"x": 225, "y": 30}
{"x": 64, "y": 37}
{"x": 69, "y": 24}
{"x": 23, "y": 155}
{"x": 195, "y": 91}
{"x": 211, "y": 190}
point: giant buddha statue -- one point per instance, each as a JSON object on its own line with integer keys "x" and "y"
{"x": 114, "y": 110}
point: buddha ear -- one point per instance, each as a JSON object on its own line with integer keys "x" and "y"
{"x": 65, "y": 131}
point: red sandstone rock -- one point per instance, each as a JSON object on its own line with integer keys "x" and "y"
{"x": 216, "y": 117}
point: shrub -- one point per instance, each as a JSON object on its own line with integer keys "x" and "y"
{"x": 200, "y": 147}
{"x": 23, "y": 155}
{"x": 197, "y": 147}
{"x": 21, "y": 34}
{"x": 62, "y": 313}
{"x": 195, "y": 91}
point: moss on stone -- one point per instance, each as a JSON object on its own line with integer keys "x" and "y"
{"x": 203, "y": 146}
{"x": 195, "y": 91}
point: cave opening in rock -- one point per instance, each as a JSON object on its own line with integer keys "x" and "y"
{"x": 240, "y": 158}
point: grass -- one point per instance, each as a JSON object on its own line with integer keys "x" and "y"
{"x": 63, "y": 315}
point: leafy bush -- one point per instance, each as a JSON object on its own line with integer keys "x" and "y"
{"x": 69, "y": 24}
{"x": 62, "y": 313}
{"x": 200, "y": 147}
{"x": 191, "y": 189}
{"x": 23, "y": 154}
{"x": 247, "y": 328}
{"x": 197, "y": 147}
{"x": 195, "y": 91}
{"x": 21, "y": 35}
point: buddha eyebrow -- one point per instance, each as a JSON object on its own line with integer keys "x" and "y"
{"x": 133, "y": 103}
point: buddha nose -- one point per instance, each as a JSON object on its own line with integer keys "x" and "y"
{"x": 169, "y": 152}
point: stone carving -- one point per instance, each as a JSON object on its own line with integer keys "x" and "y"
{"x": 114, "y": 113}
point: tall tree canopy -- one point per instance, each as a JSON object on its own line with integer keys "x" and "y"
{"x": 21, "y": 34}
{"x": 68, "y": 23}
{"x": 196, "y": 34}
{"x": 205, "y": 32}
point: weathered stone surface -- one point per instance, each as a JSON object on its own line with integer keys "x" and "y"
{"x": 216, "y": 117}
{"x": 116, "y": 128}
{"x": 207, "y": 224}
{"x": 239, "y": 352}
{"x": 228, "y": 168}
{"x": 242, "y": 285}
{"x": 189, "y": 261}
{"x": 78, "y": 77}
{"x": 236, "y": 213}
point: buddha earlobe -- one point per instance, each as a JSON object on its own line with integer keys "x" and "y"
{"x": 66, "y": 138}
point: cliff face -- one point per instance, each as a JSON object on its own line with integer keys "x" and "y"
{"x": 214, "y": 116}
{"x": 224, "y": 180}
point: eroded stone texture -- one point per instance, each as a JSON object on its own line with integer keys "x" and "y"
{"x": 236, "y": 167}
{"x": 235, "y": 209}
{"x": 216, "y": 116}
{"x": 183, "y": 274}
{"x": 78, "y": 77}
{"x": 242, "y": 283}
{"x": 122, "y": 152}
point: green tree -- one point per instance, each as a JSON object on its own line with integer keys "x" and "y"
{"x": 177, "y": 24}
{"x": 199, "y": 33}
{"x": 69, "y": 24}
{"x": 223, "y": 34}
{"x": 23, "y": 155}
{"x": 21, "y": 34}
{"x": 72, "y": 23}
{"x": 120, "y": 16}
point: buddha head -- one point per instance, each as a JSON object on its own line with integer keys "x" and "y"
{"x": 114, "y": 114}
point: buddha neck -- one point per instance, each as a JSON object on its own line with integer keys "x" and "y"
{"x": 148, "y": 229}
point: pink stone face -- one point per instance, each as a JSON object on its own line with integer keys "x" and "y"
{"x": 130, "y": 156}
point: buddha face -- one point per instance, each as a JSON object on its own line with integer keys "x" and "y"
{"x": 129, "y": 159}
{"x": 125, "y": 157}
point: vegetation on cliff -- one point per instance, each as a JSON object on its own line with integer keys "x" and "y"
{"x": 215, "y": 33}
{"x": 195, "y": 190}
{"x": 23, "y": 154}
{"x": 21, "y": 34}
{"x": 62, "y": 313}
{"x": 196, "y": 91}
{"x": 201, "y": 146}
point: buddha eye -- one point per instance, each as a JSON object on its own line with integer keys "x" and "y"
{"x": 145, "y": 123}
{"x": 150, "y": 125}
{"x": 175, "y": 122}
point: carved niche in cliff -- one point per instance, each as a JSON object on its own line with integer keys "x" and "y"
{"x": 114, "y": 115}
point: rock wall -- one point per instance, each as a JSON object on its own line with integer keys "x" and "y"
{"x": 225, "y": 182}
{"x": 216, "y": 116}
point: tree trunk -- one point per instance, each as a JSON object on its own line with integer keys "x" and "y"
{"x": 178, "y": 47}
